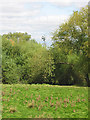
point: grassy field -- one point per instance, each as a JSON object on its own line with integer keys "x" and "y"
{"x": 44, "y": 101}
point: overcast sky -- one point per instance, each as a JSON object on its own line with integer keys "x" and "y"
{"x": 36, "y": 17}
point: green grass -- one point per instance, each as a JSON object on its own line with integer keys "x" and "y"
{"x": 44, "y": 101}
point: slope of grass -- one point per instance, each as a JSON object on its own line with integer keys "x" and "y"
{"x": 44, "y": 101}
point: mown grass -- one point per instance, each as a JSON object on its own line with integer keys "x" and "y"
{"x": 44, "y": 101}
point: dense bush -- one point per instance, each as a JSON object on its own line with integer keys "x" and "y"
{"x": 25, "y": 62}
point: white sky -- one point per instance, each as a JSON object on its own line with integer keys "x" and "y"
{"x": 36, "y": 17}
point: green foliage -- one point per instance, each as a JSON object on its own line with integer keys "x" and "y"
{"x": 0, "y": 59}
{"x": 65, "y": 63}
{"x": 18, "y": 37}
{"x": 25, "y": 62}
{"x": 70, "y": 47}
{"x": 9, "y": 70}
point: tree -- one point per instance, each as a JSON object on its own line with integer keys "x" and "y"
{"x": 17, "y": 37}
{"x": 71, "y": 46}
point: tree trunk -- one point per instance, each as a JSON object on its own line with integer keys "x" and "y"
{"x": 87, "y": 79}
